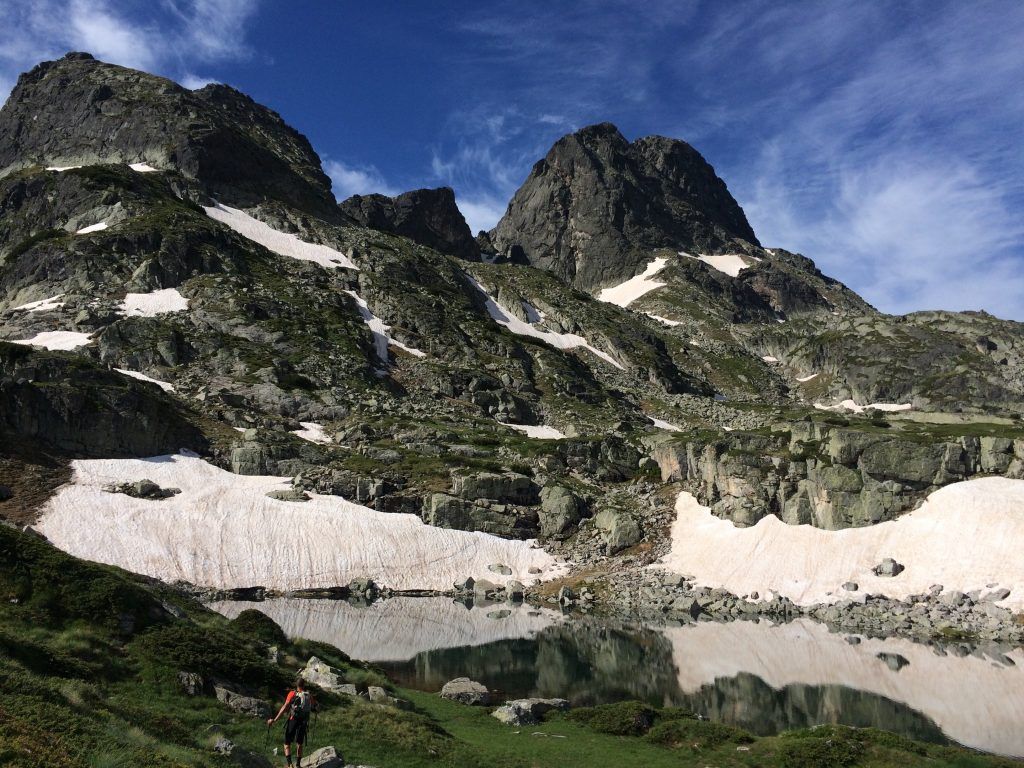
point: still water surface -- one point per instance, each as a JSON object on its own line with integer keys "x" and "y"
{"x": 761, "y": 676}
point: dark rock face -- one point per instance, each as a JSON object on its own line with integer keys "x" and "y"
{"x": 86, "y": 411}
{"x": 597, "y": 205}
{"x": 79, "y": 111}
{"x": 429, "y": 217}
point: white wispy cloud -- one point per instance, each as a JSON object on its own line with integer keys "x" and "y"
{"x": 349, "y": 180}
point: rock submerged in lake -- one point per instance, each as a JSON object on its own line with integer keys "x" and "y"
{"x": 466, "y": 691}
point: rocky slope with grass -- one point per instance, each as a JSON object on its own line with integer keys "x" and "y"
{"x": 623, "y": 337}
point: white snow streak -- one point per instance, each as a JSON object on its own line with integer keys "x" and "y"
{"x": 563, "y": 341}
{"x": 664, "y": 320}
{"x": 312, "y": 432}
{"x": 281, "y": 243}
{"x": 964, "y": 536}
{"x": 730, "y": 264}
{"x": 56, "y": 340}
{"x": 536, "y": 432}
{"x": 399, "y": 628}
{"x": 92, "y": 228}
{"x": 662, "y": 424}
{"x": 803, "y": 379}
{"x": 223, "y": 531}
{"x": 850, "y": 405}
{"x": 143, "y": 377}
{"x": 154, "y": 303}
{"x": 142, "y": 168}
{"x": 770, "y": 359}
{"x": 43, "y": 305}
{"x": 380, "y": 330}
{"x": 626, "y": 293}
{"x": 62, "y": 168}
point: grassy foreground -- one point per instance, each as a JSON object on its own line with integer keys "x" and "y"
{"x": 89, "y": 663}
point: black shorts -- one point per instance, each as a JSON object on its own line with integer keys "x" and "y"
{"x": 295, "y": 731}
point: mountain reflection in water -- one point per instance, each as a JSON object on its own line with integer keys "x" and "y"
{"x": 763, "y": 677}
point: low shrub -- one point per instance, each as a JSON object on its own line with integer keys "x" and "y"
{"x": 623, "y": 718}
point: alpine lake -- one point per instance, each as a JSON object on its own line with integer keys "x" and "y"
{"x": 761, "y": 676}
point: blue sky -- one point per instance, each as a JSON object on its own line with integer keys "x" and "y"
{"x": 884, "y": 140}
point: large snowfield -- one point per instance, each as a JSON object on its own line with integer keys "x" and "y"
{"x": 399, "y": 628}
{"x": 281, "y": 243}
{"x": 223, "y": 531}
{"x": 964, "y": 537}
{"x": 975, "y": 700}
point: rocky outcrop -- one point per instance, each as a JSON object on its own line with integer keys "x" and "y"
{"x": 79, "y": 111}
{"x": 466, "y": 691}
{"x": 593, "y": 210}
{"x": 87, "y": 411}
{"x": 527, "y": 711}
{"x": 828, "y": 476}
{"x": 429, "y": 217}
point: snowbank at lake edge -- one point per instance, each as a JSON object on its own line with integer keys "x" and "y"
{"x": 964, "y": 537}
{"x": 806, "y": 653}
{"x": 222, "y": 531}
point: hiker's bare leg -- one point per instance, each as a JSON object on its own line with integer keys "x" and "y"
{"x": 299, "y": 746}
{"x": 287, "y": 751}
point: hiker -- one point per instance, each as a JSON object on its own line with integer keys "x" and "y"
{"x": 299, "y": 704}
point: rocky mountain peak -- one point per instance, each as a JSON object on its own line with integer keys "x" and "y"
{"x": 81, "y": 111}
{"x": 593, "y": 210}
{"x": 426, "y": 216}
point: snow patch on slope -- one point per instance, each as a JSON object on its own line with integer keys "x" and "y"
{"x": 730, "y": 264}
{"x": 399, "y": 628}
{"x": 154, "y": 303}
{"x": 56, "y": 340}
{"x": 538, "y": 432}
{"x": 380, "y": 331}
{"x": 143, "y": 168}
{"x": 563, "y": 341}
{"x": 662, "y": 424}
{"x": 223, "y": 531}
{"x": 62, "y": 168}
{"x": 981, "y": 521}
{"x": 43, "y": 305}
{"x": 143, "y": 377}
{"x": 770, "y": 359}
{"x": 92, "y": 228}
{"x": 281, "y": 243}
{"x": 626, "y": 293}
{"x": 809, "y": 377}
{"x": 312, "y": 432}
{"x": 664, "y": 320}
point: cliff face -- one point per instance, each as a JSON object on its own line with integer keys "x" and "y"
{"x": 426, "y": 216}
{"x": 79, "y": 111}
{"x": 596, "y": 206}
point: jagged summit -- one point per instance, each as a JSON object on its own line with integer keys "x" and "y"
{"x": 426, "y": 216}
{"x": 597, "y": 205}
{"x": 80, "y": 111}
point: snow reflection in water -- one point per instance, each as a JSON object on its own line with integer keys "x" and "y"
{"x": 761, "y": 676}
